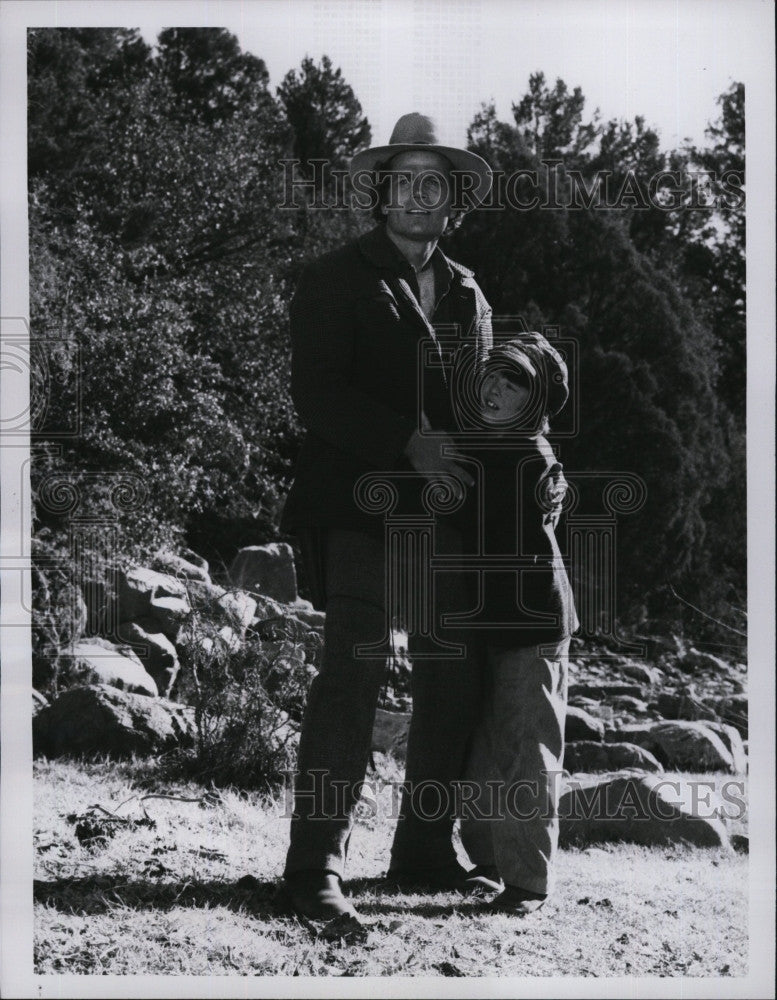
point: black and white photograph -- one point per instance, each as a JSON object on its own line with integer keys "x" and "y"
{"x": 387, "y": 440}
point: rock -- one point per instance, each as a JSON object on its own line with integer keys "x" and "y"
{"x": 682, "y": 705}
{"x": 732, "y": 709}
{"x": 39, "y": 702}
{"x": 155, "y": 651}
{"x": 97, "y": 661}
{"x": 102, "y": 719}
{"x": 313, "y": 619}
{"x": 240, "y": 609}
{"x": 144, "y": 593}
{"x": 580, "y": 725}
{"x": 644, "y": 809}
{"x": 640, "y": 672}
{"x": 696, "y": 660}
{"x": 231, "y": 639}
{"x": 267, "y": 608}
{"x": 588, "y": 704}
{"x": 266, "y": 569}
{"x": 679, "y": 746}
{"x": 190, "y": 556}
{"x": 625, "y": 703}
{"x": 169, "y": 562}
{"x": 732, "y": 739}
{"x": 590, "y": 757}
{"x": 204, "y": 594}
{"x": 605, "y": 690}
{"x": 389, "y": 734}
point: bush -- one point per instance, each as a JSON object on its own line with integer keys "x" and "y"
{"x": 248, "y": 702}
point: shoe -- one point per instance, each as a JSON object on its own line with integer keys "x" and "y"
{"x": 485, "y": 878}
{"x": 448, "y": 878}
{"x": 516, "y": 901}
{"x": 313, "y": 895}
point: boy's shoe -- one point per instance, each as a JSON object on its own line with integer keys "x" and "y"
{"x": 449, "y": 878}
{"x": 516, "y": 901}
{"x": 313, "y": 895}
{"x": 485, "y": 878}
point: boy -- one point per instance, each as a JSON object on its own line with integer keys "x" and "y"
{"x": 524, "y": 619}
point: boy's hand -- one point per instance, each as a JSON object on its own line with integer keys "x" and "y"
{"x": 553, "y": 493}
{"x": 425, "y": 455}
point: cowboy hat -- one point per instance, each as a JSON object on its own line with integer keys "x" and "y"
{"x": 418, "y": 132}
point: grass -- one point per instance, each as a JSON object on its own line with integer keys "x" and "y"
{"x": 192, "y": 895}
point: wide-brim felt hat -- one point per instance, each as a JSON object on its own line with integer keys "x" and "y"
{"x": 414, "y": 132}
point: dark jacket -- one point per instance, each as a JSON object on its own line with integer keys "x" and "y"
{"x": 355, "y": 331}
{"x": 512, "y": 514}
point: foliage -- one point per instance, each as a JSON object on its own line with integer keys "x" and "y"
{"x": 324, "y": 114}
{"x": 654, "y": 379}
{"x": 248, "y": 702}
{"x": 161, "y": 268}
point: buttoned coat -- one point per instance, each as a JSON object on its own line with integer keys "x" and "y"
{"x": 355, "y": 332}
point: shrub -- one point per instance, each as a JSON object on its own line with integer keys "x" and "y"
{"x": 248, "y": 703}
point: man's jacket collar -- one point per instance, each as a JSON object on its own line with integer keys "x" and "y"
{"x": 378, "y": 248}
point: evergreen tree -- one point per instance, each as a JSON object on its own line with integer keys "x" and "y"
{"x": 325, "y": 115}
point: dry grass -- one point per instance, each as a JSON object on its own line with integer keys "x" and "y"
{"x": 170, "y": 900}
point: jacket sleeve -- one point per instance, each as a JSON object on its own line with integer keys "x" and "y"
{"x": 329, "y": 405}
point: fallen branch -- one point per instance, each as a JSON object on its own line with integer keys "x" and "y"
{"x": 717, "y": 621}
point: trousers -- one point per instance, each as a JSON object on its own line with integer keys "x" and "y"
{"x": 514, "y": 765}
{"x": 340, "y": 711}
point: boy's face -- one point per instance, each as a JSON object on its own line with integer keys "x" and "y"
{"x": 502, "y": 399}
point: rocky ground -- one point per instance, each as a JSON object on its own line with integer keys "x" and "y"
{"x": 630, "y": 719}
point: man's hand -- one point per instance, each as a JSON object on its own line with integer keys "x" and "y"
{"x": 425, "y": 455}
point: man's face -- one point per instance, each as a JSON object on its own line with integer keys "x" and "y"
{"x": 502, "y": 399}
{"x": 418, "y": 204}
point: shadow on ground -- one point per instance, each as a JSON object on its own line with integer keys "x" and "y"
{"x": 100, "y": 893}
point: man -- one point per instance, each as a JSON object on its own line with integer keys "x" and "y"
{"x": 357, "y": 318}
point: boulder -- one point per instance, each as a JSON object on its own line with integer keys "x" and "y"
{"x": 389, "y": 734}
{"x": 192, "y": 557}
{"x": 732, "y": 739}
{"x": 731, "y": 709}
{"x": 266, "y": 569}
{"x": 175, "y": 565}
{"x": 640, "y": 672}
{"x": 231, "y": 639}
{"x": 154, "y": 650}
{"x": 586, "y": 756}
{"x": 102, "y": 719}
{"x": 679, "y": 746}
{"x": 682, "y": 705}
{"x": 697, "y": 660}
{"x": 645, "y": 809}
{"x": 144, "y": 593}
{"x": 267, "y": 608}
{"x": 240, "y": 609}
{"x": 311, "y": 618}
{"x": 97, "y": 661}
{"x": 203, "y": 594}
{"x": 605, "y": 690}
{"x": 580, "y": 725}
{"x": 626, "y": 703}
